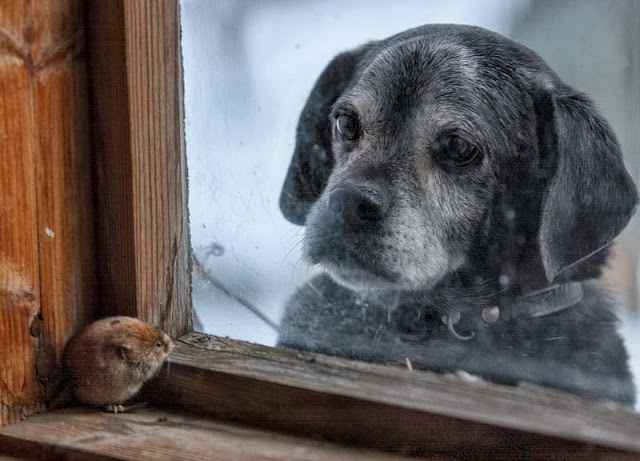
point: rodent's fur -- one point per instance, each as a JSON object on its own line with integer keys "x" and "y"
{"x": 109, "y": 361}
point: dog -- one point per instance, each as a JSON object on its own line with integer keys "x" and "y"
{"x": 459, "y": 198}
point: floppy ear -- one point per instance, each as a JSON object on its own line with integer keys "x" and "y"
{"x": 590, "y": 197}
{"x": 313, "y": 160}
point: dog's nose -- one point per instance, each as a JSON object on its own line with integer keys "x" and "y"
{"x": 357, "y": 207}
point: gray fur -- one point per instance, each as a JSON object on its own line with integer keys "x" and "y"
{"x": 395, "y": 221}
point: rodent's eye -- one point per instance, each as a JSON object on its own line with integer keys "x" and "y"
{"x": 124, "y": 352}
{"x": 348, "y": 127}
{"x": 159, "y": 343}
{"x": 451, "y": 150}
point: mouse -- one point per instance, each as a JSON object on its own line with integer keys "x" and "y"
{"x": 107, "y": 363}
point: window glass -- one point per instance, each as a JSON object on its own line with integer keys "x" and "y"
{"x": 249, "y": 68}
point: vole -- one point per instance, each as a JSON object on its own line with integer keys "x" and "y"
{"x": 109, "y": 361}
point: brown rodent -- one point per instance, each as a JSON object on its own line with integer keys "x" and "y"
{"x": 107, "y": 363}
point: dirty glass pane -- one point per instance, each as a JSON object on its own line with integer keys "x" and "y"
{"x": 249, "y": 68}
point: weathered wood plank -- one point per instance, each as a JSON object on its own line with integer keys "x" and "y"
{"x": 111, "y": 140}
{"x": 140, "y": 165}
{"x": 46, "y": 228}
{"x": 386, "y": 407}
{"x": 160, "y": 435}
{"x": 159, "y": 171}
{"x": 64, "y": 178}
{"x": 19, "y": 279}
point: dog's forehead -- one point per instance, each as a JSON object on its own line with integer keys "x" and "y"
{"x": 426, "y": 72}
{"x": 419, "y": 59}
{"x": 428, "y": 83}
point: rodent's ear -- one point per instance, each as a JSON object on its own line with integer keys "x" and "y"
{"x": 590, "y": 197}
{"x": 313, "y": 158}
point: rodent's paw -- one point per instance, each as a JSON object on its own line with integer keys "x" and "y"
{"x": 118, "y": 408}
{"x": 115, "y": 408}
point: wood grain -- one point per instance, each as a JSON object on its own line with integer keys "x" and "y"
{"x": 46, "y": 229}
{"x": 140, "y": 166}
{"x": 160, "y": 435}
{"x": 389, "y": 408}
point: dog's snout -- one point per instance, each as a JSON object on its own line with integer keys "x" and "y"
{"x": 357, "y": 207}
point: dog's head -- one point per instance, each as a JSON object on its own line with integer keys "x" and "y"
{"x": 449, "y": 147}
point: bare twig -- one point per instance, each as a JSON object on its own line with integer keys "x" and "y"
{"x": 197, "y": 266}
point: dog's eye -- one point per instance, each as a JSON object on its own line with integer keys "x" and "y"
{"x": 348, "y": 127}
{"x": 454, "y": 150}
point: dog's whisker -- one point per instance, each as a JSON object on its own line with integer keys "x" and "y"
{"x": 316, "y": 290}
{"x": 375, "y": 341}
{"x": 292, "y": 249}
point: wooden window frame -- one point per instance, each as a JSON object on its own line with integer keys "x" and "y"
{"x": 142, "y": 269}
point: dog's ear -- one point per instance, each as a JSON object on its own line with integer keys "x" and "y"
{"x": 313, "y": 159}
{"x": 590, "y": 196}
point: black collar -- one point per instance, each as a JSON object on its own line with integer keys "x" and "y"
{"x": 547, "y": 301}
{"x": 535, "y": 304}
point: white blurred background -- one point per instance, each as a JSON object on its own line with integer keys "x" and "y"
{"x": 248, "y": 68}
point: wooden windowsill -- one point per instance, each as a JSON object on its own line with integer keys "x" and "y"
{"x": 211, "y": 383}
{"x": 388, "y": 408}
{"x": 88, "y": 434}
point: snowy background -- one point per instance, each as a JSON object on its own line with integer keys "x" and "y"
{"x": 248, "y": 68}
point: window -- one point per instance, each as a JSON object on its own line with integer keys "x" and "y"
{"x": 249, "y": 69}
{"x": 142, "y": 246}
